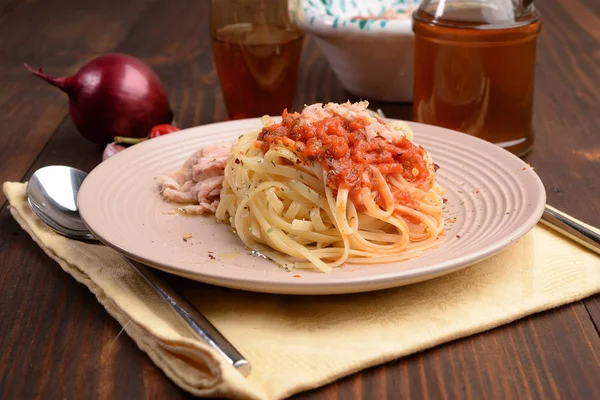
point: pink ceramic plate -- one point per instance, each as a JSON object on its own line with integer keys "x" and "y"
{"x": 494, "y": 198}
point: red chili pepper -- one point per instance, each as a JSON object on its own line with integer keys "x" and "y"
{"x": 159, "y": 130}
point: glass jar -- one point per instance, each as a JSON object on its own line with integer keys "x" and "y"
{"x": 475, "y": 68}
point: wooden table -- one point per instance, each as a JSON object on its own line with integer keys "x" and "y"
{"x": 56, "y": 341}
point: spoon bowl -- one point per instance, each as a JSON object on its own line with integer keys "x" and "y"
{"x": 52, "y": 195}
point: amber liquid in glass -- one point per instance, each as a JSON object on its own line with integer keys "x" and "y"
{"x": 474, "y": 79}
{"x": 257, "y": 68}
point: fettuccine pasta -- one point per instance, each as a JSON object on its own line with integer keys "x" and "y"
{"x": 332, "y": 185}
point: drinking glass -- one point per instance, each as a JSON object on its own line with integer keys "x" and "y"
{"x": 257, "y": 45}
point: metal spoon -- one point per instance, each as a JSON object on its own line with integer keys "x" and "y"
{"x": 52, "y": 195}
{"x": 571, "y": 228}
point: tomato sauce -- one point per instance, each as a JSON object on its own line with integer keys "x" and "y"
{"x": 342, "y": 149}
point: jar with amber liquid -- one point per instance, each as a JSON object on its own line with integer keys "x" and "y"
{"x": 475, "y": 68}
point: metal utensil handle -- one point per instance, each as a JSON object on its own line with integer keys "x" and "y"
{"x": 192, "y": 317}
{"x": 572, "y": 228}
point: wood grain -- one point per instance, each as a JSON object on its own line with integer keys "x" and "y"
{"x": 567, "y": 112}
{"x": 566, "y": 117}
{"x": 56, "y": 341}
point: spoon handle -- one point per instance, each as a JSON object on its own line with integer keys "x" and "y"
{"x": 192, "y": 317}
{"x": 571, "y": 228}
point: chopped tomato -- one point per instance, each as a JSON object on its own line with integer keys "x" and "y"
{"x": 343, "y": 149}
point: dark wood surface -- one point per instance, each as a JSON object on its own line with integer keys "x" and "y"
{"x": 57, "y": 342}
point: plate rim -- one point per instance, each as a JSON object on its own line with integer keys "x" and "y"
{"x": 379, "y": 281}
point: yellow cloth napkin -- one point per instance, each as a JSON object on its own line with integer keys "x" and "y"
{"x": 298, "y": 343}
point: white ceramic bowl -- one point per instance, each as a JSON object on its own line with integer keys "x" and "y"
{"x": 373, "y": 59}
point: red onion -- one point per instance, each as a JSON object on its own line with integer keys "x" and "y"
{"x": 113, "y": 95}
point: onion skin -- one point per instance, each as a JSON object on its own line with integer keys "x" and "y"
{"x": 113, "y": 95}
{"x": 111, "y": 149}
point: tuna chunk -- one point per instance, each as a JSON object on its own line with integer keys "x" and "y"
{"x": 202, "y": 190}
{"x": 198, "y": 183}
{"x": 374, "y": 126}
